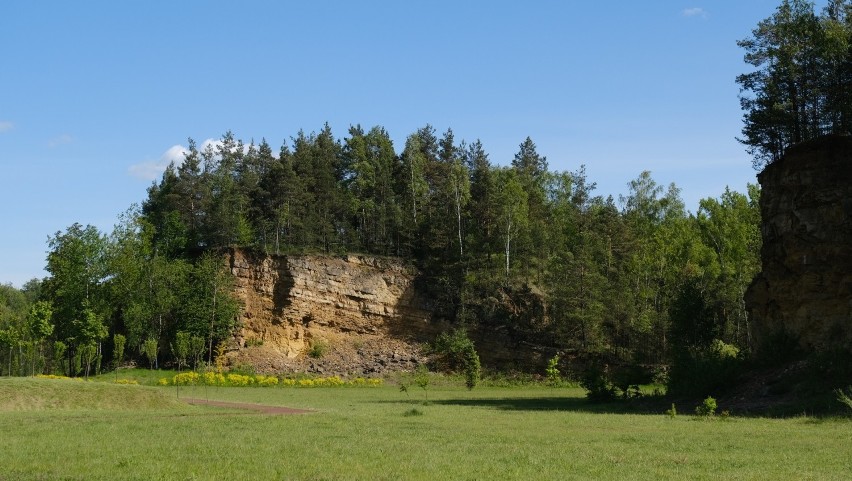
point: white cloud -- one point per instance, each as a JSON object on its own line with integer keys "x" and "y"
{"x": 60, "y": 140}
{"x": 694, "y": 12}
{"x": 6, "y": 126}
{"x": 153, "y": 169}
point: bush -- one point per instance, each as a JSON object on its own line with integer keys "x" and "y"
{"x": 844, "y": 398}
{"x": 318, "y": 349}
{"x": 456, "y": 352}
{"x": 552, "y": 371}
{"x": 672, "y": 413}
{"x": 597, "y": 384}
{"x": 707, "y": 407}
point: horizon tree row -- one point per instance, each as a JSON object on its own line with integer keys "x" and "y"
{"x": 520, "y": 249}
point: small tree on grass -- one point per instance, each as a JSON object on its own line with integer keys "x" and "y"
{"x": 149, "y": 350}
{"x": 707, "y": 408}
{"x": 421, "y": 378}
{"x": 118, "y": 343}
{"x": 552, "y": 371}
{"x": 181, "y": 347}
{"x": 88, "y": 354}
{"x": 457, "y": 352}
{"x": 196, "y": 349}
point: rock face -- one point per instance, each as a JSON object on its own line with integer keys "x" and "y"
{"x": 328, "y": 314}
{"x": 805, "y": 289}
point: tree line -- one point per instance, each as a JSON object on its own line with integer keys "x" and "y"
{"x": 521, "y": 249}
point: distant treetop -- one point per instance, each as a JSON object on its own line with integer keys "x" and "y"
{"x": 802, "y": 86}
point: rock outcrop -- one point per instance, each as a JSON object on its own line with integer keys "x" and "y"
{"x": 805, "y": 289}
{"x": 328, "y": 314}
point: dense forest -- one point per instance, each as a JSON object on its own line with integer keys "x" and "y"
{"x": 603, "y": 281}
{"x": 521, "y": 247}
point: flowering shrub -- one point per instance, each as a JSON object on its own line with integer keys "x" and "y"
{"x": 239, "y": 380}
{"x": 213, "y": 379}
{"x": 266, "y": 380}
{"x": 126, "y": 381}
{"x": 185, "y": 378}
{"x": 54, "y": 376}
{"x": 192, "y": 378}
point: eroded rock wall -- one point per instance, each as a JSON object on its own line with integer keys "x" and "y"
{"x": 805, "y": 288}
{"x": 362, "y": 312}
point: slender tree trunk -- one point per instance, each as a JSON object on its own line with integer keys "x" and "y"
{"x": 212, "y": 323}
{"x": 508, "y": 245}
{"x": 458, "y": 217}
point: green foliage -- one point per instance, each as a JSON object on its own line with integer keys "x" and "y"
{"x": 599, "y": 388}
{"x": 196, "y": 350}
{"x": 39, "y": 319}
{"x": 181, "y": 347}
{"x": 530, "y": 253}
{"x": 456, "y": 352}
{"x": 552, "y": 372}
{"x": 421, "y": 379}
{"x": 844, "y": 396}
{"x": 149, "y": 349}
{"x": 88, "y": 354}
{"x": 318, "y": 349}
{"x": 800, "y": 88}
{"x": 707, "y": 407}
{"x": 672, "y": 412}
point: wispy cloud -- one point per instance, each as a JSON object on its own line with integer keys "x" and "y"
{"x": 153, "y": 169}
{"x": 694, "y": 12}
{"x": 60, "y": 140}
{"x": 6, "y": 126}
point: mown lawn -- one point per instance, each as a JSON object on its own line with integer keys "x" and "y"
{"x": 381, "y": 433}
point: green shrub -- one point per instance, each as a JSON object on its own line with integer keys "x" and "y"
{"x": 845, "y": 398}
{"x": 598, "y": 386}
{"x": 318, "y": 349}
{"x": 456, "y": 352}
{"x": 552, "y": 371}
{"x": 149, "y": 349}
{"x": 707, "y": 407}
{"x": 672, "y": 413}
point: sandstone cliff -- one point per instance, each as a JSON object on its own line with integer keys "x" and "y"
{"x": 328, "y": 314}
{"x": 805, "y": 288}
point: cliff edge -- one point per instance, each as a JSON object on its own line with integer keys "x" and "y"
{"x": 804, "y": 292}
{"x": 350, "y": 314}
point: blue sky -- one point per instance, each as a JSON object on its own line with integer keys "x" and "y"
{"x": 96, "y": 96}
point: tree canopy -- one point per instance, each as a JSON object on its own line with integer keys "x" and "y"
{"x": 801, "y": 87}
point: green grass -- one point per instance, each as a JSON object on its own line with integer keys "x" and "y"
{"x": 380, "y": 433}
{"x": 40, "y": 395}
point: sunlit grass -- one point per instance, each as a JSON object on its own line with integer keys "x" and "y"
{"x": 374, "y": 434}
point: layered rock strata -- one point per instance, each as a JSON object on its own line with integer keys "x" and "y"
{"x": 328, "y": 314}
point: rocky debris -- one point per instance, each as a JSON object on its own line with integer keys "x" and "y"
{"x": 366, "y": 356}
{"x": 805, "y": 288}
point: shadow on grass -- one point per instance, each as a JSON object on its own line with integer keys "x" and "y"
{"x": 567, "y": 404}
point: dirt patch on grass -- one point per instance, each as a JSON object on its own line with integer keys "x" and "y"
{"x": 259, "y": 408}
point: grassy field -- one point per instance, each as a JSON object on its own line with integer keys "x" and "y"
{"x": 70, "y": 430}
